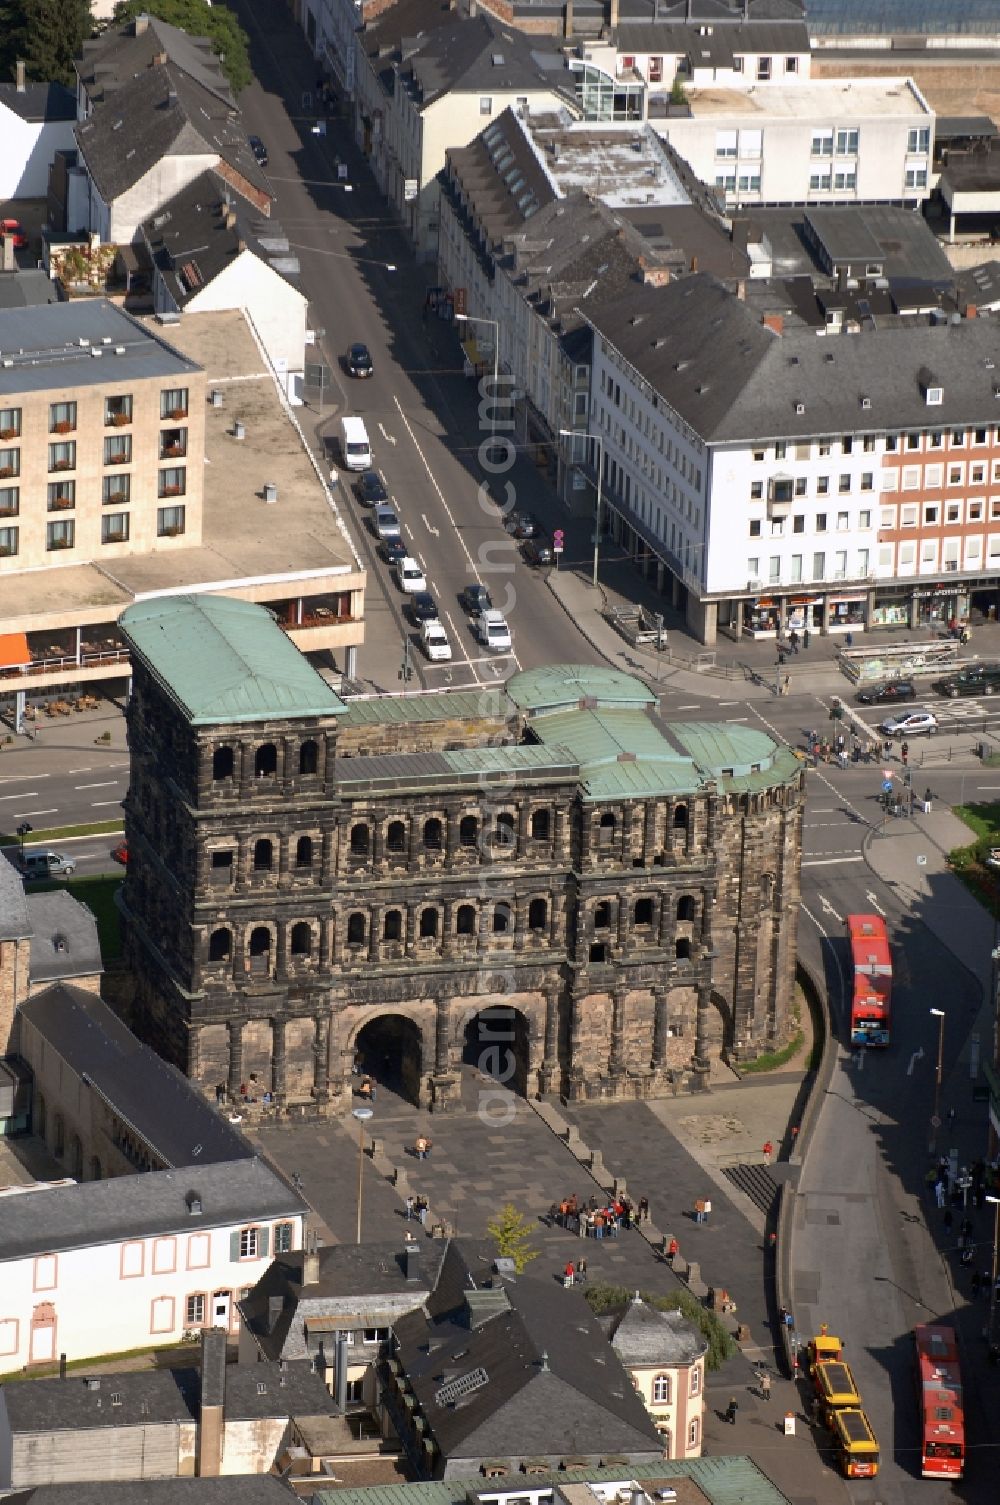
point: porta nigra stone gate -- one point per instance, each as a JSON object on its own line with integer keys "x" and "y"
{"x": 311, "y": 878}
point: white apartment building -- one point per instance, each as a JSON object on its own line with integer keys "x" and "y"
{"x": 822, "y": 141}
{"x": 717, "y": 50}
{"x": 166, "y": 1252}
{"x": 763, "y": 476}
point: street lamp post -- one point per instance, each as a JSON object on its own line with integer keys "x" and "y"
{"x": 597, "y": 439}
{"x": 993, "y": 1274}
{"x": 23, "y": 830}
{"x": 495, "y": 326}
{"x": 938, "y": 1074}
{"x": 362, "y": 1115}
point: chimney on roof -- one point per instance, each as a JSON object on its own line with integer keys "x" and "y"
{"x": 411, "y": 1261}
{"x": 970, "y": 311}
{"x": 340, "y": 1377}
{"x": 775, "y": 322}
{"x": 568, "y": 19}
{"x": 158, "y": 59}
{"x": 229, "y": 217}
{"x": 310, "y": 1262}
{"x": 614, "y": 12}
{"x": 141, "y": 25}
{"x": 654, "y": 276}
{"x": 275, "y": 1307}
{"x": 19, "y": 75}
{"x": 212, "y": 1403}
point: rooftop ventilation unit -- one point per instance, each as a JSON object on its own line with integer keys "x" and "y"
{"x": 119, "y": 350}
{"x": 270, "y": 491}
{"x": 239, "y": 430}
{"x": 800, "y": 408}
{"x": 216, "y": 398}
{"x": 866, "y": 403}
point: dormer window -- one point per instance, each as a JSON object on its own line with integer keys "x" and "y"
{"x": 934, "y": 396}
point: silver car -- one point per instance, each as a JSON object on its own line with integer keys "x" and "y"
{"x": 913, "y": 724}
{"x": 386, "y": 523}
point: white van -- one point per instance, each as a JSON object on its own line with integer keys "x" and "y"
{"x": 355, "y": 448}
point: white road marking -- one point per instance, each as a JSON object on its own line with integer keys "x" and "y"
{"x": 420, "y": 561}
{"x": 18, "y": 778}
{"x": 434, "y": 532}
{"x": 732, "y": 720}
{"x": 698, "y": 707}
{"x": 96, "y": 804}
{"x": 832, "y": 811}
{"x": 25, "y": 794}
{"x": 871, "y": 899}
{"x": 457, "y": 639}
{"x": 107, "y": 784}
{"x": 830, "y": 861}
{"x": 408, "y": 530}
{"x": 433, "y": 480}
{"x": 77, "y": 770}
{"x": 729, "y": 702}
{"x": 385, "y": 435}
{"x": 53, "y": 811}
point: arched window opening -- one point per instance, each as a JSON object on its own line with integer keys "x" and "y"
{"x": 301, "y": 939}
{"x": 540, "y": 825}
{"x": 304, "y": 852}
{"x": 606, "y": 829}
{"x": 260, "y": 949}
{"x": 538, "y": 914}
{"x": 680, "y": 817}
{"x": 505, "y": 829}
{"x": 265, "y": 761}
{"x": 643, "y": 912}
{"x": 360, "y": 840}
{"x": 263, "y": 856}
{"x": 220, "y": 945}
{"x": 356, "y": 928}
{"x": 428, "y": 923}
{"x": 501, "y": 919}
{"x": 683, "y": 950}
{"x": 465, "y": 920}
{"x": 223, "y": 763}
{"x": 602, "y": 916}
{"x": 395, "y": 837}
{"x": 392, "y": 925}
{"x": 308, "y": 757}
{"x": 685, "y": 907}
{"x": 468, "y": 831}
{"x": 433, "y": 831}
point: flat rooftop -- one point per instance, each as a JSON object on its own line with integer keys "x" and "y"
{"x": 623, "y": 168}
{"x": 245, "y": 541}
{"x": 81, "y": 344}
{"x": 853, "y": 99}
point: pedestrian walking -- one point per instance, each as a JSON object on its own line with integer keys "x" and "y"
{"x": 421, "y": 1205}
{"x": 422, "y": 1146}
{"x": 707, "y": 1208}
{"x": 793, "y": 639}
{"x": 673, "y": 1249}
{"x": 569, "y": 1273}
{"x": 581, "y": 1271}
{"x": 904, "y": 753}
{"x": 768, "y": 1150}
{"x": 731, "y": 1411}
{"x": 699, "y": 1212}
{"x": 410, "y": 1209}
{"x": 939, "y": 1192}
{"x": 765, "y": 1386}
{"x": 643, "y": 1210}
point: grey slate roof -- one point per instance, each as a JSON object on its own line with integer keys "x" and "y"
{"x": 554, "y": 1386}
{"x": 234, "y": 1489}
{"x": 161, "y": 113}
{"x": 15, "y": 924}
{"x": 905, "y": 242}
{"x": 64, "y": 942}
{"x": 717, "y": 48}
{"x": 191, "y": 230}
{"x": 159, "y": 1103}
{"x": 354, "y": 1281}
{"x": 734, "y": 380}
{"x": 120, "y": 54}
{"x": 97, "y": 1212}
{"x": 162, "y": 1395}
{"x": 50, "y": 346}
{"x": 645, "y": 1335}
{"x": 39, "y": 103}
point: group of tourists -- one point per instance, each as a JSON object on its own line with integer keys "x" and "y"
{"x": 597, "y": 1219}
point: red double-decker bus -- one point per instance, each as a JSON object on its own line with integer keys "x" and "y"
{"x": 939, "y": 1396}
{"x": 871, "y": 982}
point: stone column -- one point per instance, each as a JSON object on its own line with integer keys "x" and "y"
{"x": 448, "y": 928}
{"x": 523, "y": 817}
{"x": 378, "y": 844}
{"x": 649, "y": 835}
{"x": 281, "y": 949}
{"x": 616, "y": 1063}
{"x": 667, "y": 906}
{"x": 560, "y": 834}
{"x": 442, "y": 1036}
{"x": 193, "y": 1070}
{"x": 520, "y": 918}
{"x": 321, "y": 1059}
{"x": 548, "y": 1075}
{"x": 278, "y": 1059}
{"x": 660, "y": 1026}
{"x": 576, "y": 1073}
{"x": 235, "y": 1027}
{"x": 701, "y": 1028}
{"x": 624, "y": 922}
{"x": 628, "y": 816}
{"x": 707, "y": 905}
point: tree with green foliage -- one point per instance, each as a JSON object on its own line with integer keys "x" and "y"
{"x": 45, "y": 35}
{"x": 607, "y": 1298}
{"x": 511, "y": 1232}
{"x": 229, "y": 41}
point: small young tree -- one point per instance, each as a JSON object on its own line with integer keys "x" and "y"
{"x": 677, "y": 94}
{"x": 511, "y": 1233}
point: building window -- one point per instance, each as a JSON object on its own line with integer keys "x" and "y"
{"x": 693, "y": 1433}
{"x": 843, "y": 521}
{"x": 726, "y": 144}
{"x": 465, "y": 920}
{"x": 756, "y": 491}
{"x": 62, "y": 417}
{"x": 308, "y": 758}
{"x": 360, "y": 840}
{"x": 60, "y": 496}
{"x": 304, "y": 852}
{"x": 392, "y": 925}
{"x": 220, "y": 945}
{"x": 265, "y": 761}
{"x": 661, "y": 1390}
{"x": 485, "y": 104}
{"x": 248, "y": 1243}
{"x": 822, "y": 144}
{"x": 538, "y": 914}
{"x": 172, "y": 481}
{"x": 845, "y": 180}
{"x": 283, "y": 1235}
{"x": 799, "y": 523}
{"x": 194, "y": 1311}
{"x": 356, "y": 929}
{"x": 916, "y": 177}
{"x": 919, "y": 140}
{"x": 222, "y": 763}
{"x": 173, "y": 444}
{"x": 10, "y": 501}
{"x": 301, "y": 939}
{"x": 10, "y": 423}
{"x": 428, "y": 924}
{"x": 61, "y": 457}
{"x": 118, "y": 450}
{"x": 958, "y": 438}
{"x": 174, "y": 403}
{"x": 263, "y": 856}
{"x": 847, "y": 142}
{"x": 821, "y": 522}
{"x": 763, "y": 69}
{"x": 395, "y": 838}
{"x": 468, "y": 831}
{"x": 755, "y": 527}
{"x": 819, "y": 566}
{"x": 822, "y": 485}
{"x": 169, "y": 522}
{"x": 539, "y": 825}
{"x": 114, "y": 527}
{"x": 433, "y": 835}
{"x": 115, "y": 489}
{"x": 868, "y": 480}
{"x": 504, "y": 836}
{"x": 60, "y": 535}
{"x": 117, "y": 411}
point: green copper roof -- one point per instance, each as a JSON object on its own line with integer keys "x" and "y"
{"x": 464, "y": 705}
{"x": 559, "y": 686}
{"x": 721, "y": 747}
{"x": 722, "y": 1481}
{"x": 224, "y": 660}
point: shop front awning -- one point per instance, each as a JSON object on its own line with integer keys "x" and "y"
{"x": 14, "y": 652}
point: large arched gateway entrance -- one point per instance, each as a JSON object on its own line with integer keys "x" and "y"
{"x": 496, "y": 1043}
{"x": 389, "y": 1049}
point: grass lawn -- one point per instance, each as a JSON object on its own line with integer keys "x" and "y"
{"x": 970, "y": 863}
{"x": 98, "y": 894}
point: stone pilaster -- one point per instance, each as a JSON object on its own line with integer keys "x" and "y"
{"x": 548, "y": 1076}
{"x": 278, "y": 1060}
{"x": 616, "y": 1062}
{"x": 321, "y": 1059}
{"x": 235, "y": 1027}
{"x": 660, "y": 1027}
